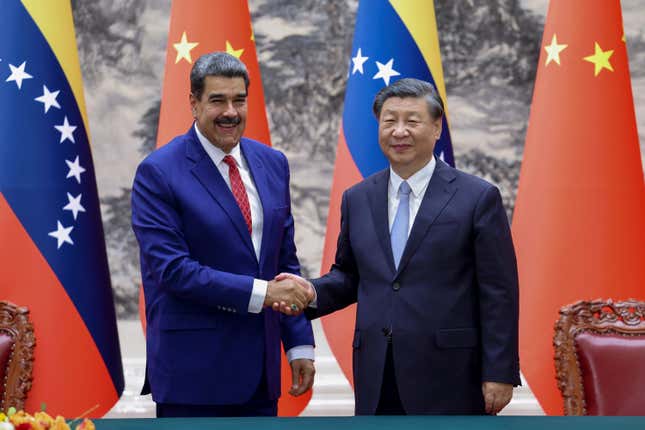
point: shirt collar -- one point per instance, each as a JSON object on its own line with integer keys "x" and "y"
{"x": 418, "y": 182}
{"x": 215, "y": 153}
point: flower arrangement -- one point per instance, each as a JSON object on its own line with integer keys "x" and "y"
{"x": 20, "y": 420}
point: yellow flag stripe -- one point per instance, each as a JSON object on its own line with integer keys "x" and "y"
{"x": 419, "y": 17}
{"x": 54, "y": 19}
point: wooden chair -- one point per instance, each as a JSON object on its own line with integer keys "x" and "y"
{"x": 600, "y": 357}
{"x": 17, "y": 344}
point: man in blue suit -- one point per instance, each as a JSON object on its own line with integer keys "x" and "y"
{"x": 426, "y": 252}
{"x": 212, "y": 214}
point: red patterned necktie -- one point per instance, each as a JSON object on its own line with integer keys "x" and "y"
{"x": 239, "y": 191}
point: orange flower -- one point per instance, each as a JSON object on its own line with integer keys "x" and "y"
{"x": 86, "y": 425}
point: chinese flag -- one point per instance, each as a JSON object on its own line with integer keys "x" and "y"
{"x": 196, "y": 28}
{"x": 579, "y": 222}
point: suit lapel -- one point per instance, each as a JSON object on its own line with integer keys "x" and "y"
{"x": 209, "y": 176}
{"x": 379, "y": 205}
{"x": 440, "y": 191}
{"x": 258, "y": 174}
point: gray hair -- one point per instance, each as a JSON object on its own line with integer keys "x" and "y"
{"x": 410, "y": 87}
{"x": 216, "y": 64}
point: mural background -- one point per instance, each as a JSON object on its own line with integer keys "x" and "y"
{"x": 489, "y": 52}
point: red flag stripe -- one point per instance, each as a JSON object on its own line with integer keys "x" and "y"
{"x": 65, "y": 354}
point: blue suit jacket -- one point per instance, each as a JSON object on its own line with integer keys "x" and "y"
{"x": 452, "y": 304}
{"x": 198, "y": 266}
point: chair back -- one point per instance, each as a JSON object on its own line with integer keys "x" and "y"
{"x": 600, "y": 357}
{"x": 17, "y": 344}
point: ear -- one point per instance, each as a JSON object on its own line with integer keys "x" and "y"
{"x": 193, "y": 104}
{"x": 438, "y": 125}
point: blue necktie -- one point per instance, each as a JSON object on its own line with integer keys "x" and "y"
{"x": 399, "y": 233}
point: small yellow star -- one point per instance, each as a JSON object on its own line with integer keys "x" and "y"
{"x": 237, "y": 53}
{"x": 252, "y": 34}
{"x": 600, "y": 59}
{"x": 624, "y": 38}
{"x": 183, "y": 48}
{"x": 553, "y": 51}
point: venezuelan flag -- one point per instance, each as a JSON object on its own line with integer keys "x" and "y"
{"x": 51, "y": 238}
{"x": 392, "y": 40}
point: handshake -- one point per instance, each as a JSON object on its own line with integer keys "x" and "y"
{"x": 289, "y": 294}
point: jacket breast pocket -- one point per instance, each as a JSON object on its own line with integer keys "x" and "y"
{"x": 457, "y": 338}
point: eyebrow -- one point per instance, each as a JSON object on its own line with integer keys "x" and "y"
{"x": 221, "y": 95}
{"x": 405, "y": 112}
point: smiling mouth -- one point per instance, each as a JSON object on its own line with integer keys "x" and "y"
{"x": 400, "y": 148}
{"x": 228, "y": 122}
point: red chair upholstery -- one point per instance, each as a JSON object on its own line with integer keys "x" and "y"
{"x": 600, "y": 357}
{"x": 17, "y": 344}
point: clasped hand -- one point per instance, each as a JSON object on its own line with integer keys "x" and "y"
{"x": 289, "y": 294}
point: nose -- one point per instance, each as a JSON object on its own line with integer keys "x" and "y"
{"x": 230, "y": 109}
{"x": 400, "y": 130}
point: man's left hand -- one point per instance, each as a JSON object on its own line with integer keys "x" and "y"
{"x": 302, "y": 374}
{"x": 496, "y": 396}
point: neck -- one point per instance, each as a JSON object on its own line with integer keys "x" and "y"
{"x": 406, "y": 171}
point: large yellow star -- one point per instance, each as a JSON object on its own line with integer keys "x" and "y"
{"x": 183, "y": 48}
{"x": 237, "y": 53}
{"x": 600, "y": 59}
{"x": 553, "y": 51}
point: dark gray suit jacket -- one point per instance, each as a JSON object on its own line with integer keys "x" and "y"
{"x": 452, "y": 305}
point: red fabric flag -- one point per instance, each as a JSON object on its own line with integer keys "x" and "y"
{"x": 197, "y": 28}
{"x": 579, "y": 222}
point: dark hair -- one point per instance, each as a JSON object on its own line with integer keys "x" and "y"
{"x": 216, "y": 64}
{"x": 410, "y": 87}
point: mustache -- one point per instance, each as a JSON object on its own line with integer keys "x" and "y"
{"x": 228, "y": 120}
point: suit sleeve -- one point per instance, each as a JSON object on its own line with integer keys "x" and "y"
{"x": 165, "y": 253}
{"x": 295, "y": 331}
{"x": 338, "y": 288}
{"x": 496, "y": 271}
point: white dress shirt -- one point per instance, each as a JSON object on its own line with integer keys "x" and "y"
{"x": 418, "y": 183}
{"x": 258, "y": 294}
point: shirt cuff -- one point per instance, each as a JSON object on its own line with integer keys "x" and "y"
{"x": 258, "y": 294}
{"x": 302, "y": 351}
{"x": 314, "y": 303}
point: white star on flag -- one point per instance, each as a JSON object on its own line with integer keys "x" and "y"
{"x": 18, "y": 74}
{"x": 62, "y": 234}
{"x": 74, "y": 205}
{"x": 75, "y": 169}
{"x": 358, "y": 61}
{"x": 48, "y": 99}
{"x": 66, "y": 131}
{"x": 385, "y": 71}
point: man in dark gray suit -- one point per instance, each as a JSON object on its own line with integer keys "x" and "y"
{"x": 426, "y": 252}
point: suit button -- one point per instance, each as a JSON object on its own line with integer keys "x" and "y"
{"x": 396, "y": 286}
